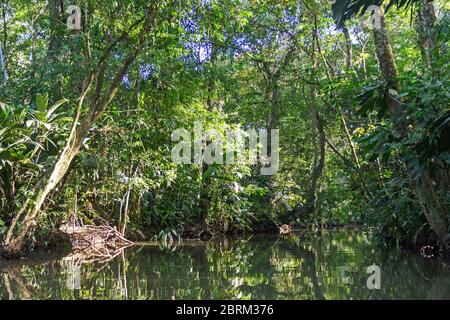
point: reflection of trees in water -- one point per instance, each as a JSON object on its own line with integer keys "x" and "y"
{"x": 52, "y": 277}
{"x": 310, "y": 264}
{"x": 404, "y": 274}
{"x": 414, "y": 276}
{"x": 29, "y": 278}
{"x": 301, "y": 267}
{"x": 441, "y": 287}
{"x": 73, "y": 263}
{"x": 14, "y": 276}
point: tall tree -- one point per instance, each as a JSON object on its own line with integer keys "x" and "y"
{"x": 105, "y": 91}
{"x": 433, "y": 206}
{"x": 56, "y": 10}
{"x": 425, "y": 23}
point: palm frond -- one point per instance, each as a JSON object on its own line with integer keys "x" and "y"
{"x": 346, "y": 9}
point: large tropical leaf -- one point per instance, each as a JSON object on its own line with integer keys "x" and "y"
{"x": 54, "y": 107}
{"x": 345, "y": 9}
{"x": 435, "y": 141}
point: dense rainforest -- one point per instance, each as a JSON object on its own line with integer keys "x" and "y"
{"x": 357, "y": 89}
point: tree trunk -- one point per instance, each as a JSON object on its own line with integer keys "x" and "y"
{"x": 126, "y": 201}
{"x": 14, "y": 239}
{"x": 319, "y": 164}
{"x": 31, "y": 208}
{"x": 3, "y": 65}
{"x": 318, "y": 126}
{"x": 205, "y": 199}
{"x": 3, "y": 48}
{"x": 55, "y": 9}
{"x": 387, "y": 66}
{"x": 348, "y": 48}
{"x": 433, "y": 206}
{"x": 425, "y": 21}
{"x": 319, "y": 156}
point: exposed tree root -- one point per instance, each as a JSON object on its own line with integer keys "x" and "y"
{"x": 97, "y": 242}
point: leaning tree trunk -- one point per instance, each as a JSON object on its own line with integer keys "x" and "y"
{"x": 30, "y": 209}
{"x": 433, "y": 206}
{"x": 27, "y": 215}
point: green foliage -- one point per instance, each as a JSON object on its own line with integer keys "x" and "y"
{"x": 225, "y": 64}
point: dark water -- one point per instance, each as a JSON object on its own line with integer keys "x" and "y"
{"x": 325, "y": 265}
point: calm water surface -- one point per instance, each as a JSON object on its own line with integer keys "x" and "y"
{"x": 321, "y": 265}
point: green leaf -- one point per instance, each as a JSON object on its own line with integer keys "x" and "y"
{"x": 55, "y": 106}
{"x": 41, "y": 102}
{"x": 209, "y": 172}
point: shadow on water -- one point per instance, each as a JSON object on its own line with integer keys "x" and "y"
{"x": 321, "y": 265}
